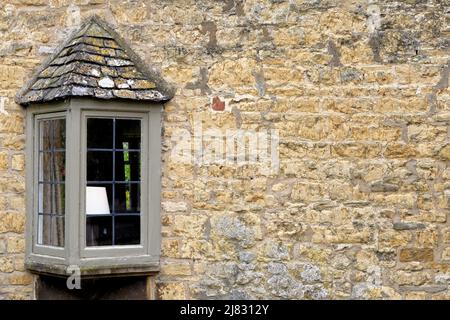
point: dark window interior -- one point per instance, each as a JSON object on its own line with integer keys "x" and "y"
{"x": 113, "y": 166}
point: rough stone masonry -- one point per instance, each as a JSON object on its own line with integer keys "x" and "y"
{"x": 358, "y": 91}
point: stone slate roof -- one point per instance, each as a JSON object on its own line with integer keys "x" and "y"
{"x": 94, "y": 62}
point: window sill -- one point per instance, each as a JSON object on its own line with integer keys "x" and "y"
{"x": 92, "y": 270}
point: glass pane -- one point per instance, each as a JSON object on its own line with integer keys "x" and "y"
{"x": 127, "y": 230}
{"x": 51, "y": 176}
{"x": 99, "y": 231}
{"x": 52, "y": 134}
{"x": 44, "y": 229}
{"x": 60, "y": 192}
{"x": 52, "y": 166}
{"x": 51, "y": 230}
{"x": 100, "y": 133}
{"x": 45, "y": 198}
{"x": 127, "y": 198}
{"x": 113, "y": 181}
{"x": 99, "y": 166}
{"x": 57, "y": 231}
{"x": 127, "y": 166}
{"x": 128, "y": 134}
{"x": 51, "y": 198}
{"x": 99, "y": 199}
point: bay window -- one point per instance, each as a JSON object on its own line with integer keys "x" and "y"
{"x": 93, "y": 201}
{"x": 93, "y": 146}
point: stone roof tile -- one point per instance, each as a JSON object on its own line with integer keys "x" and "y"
{"x": 94, "y": 62}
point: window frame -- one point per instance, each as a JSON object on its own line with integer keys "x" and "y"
{"x": 115, "y": 250}
{"x": 41, "y": 248}
{"x": 98, "y": 260}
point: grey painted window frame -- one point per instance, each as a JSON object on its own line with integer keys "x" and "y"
{"x": 41, "y": 248}
{"x": 106, "y": 251}
{"x": 95, "y": 261}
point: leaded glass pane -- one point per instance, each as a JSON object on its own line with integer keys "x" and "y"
{"x": 51, "y": 181}
{"x": 113, "y": 182}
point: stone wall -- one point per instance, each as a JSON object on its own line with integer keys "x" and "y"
{"x": 358, "y": 91}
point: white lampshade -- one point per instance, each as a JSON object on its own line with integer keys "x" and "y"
{"x": 96, "y": 200}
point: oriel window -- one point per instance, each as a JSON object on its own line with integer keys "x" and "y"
{"x": 93, "y": 148}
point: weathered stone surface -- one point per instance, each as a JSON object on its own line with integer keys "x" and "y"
{"x": 416, "y": 295}
{"x": 170, "y": 248}
{"x": 446, "y": 235}
{"x": 176, "y": 269}
{"x": 4, "y": 160}
{"x": 2, "y": 246}
{"x": 12, "y": 222}
{"x": 171, "y": 291}
{"x": 20, "y": 278}
{"x": 15, "y": 244}
{"x": 446, "y": 254}
{"x": 174, "y": 206}
{"x": 408, "y": 226}
{"x": 417, "y": 278}
{"x": 412, "y": 254}
{"x": 18, "y": 162}
{"x": 6, "y": 264}
{"x": 357, "y": 91}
